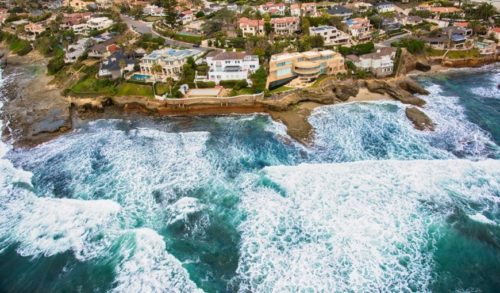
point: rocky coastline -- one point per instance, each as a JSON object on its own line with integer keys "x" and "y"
{"x": 37, "y": 111}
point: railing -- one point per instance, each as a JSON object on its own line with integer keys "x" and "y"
{"x": 242, "y": 99}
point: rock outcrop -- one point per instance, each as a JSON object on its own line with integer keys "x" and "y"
{"x": 422, "y": 66}
{"x": 346, "y": 90}
{"x": 393, "y": 90}
{"x": 412, "y": 86}
{"x": 419, "y": 119}
{"x": 326, "y": 93}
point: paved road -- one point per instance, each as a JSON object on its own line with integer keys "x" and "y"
{"x": 387, "y": 43}
{"x": 143, "y": 27}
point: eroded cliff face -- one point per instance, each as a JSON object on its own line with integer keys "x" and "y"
{"x": 33, "y": 108}
{"x": 328, "y": 92}
{"x": 469, "y": 62}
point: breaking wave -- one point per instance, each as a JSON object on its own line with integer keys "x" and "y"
{"x": 363, "y": 226}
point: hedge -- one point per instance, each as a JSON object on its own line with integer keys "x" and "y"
{"x": 237, "y": 84}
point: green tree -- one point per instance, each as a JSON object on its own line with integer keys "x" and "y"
{"x": 305, "y": 25}
{"x": 268, "y": 28}
{"x": 170, "y": 13}
{"x": 259, "y": 79}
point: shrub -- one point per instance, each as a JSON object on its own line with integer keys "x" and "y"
{"x": 18, "y": 46}
{"x": 236, "y": 84}
{"x": 205, "y": 84}
{"x": 413, "y": 45}
{"x": 360, "y": 49}
{"x": 55, "y": 65}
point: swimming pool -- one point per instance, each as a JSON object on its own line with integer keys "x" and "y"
{"x": 141, "y": 77}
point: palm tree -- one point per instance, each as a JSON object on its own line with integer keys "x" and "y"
{"x": 156, "y": 68}
{"x": 122, "y": 65}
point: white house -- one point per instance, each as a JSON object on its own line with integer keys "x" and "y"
{"x": 330, "y": 34}
{"x": 153, "y": 10}
{"x": 380, "y": 63}
{"x": 231, "y": 66}
{"x": 99, "y": 23}
{"x": 187, "y": 16}
{"x": 75, "y": 51}
{"x": 385, "y": 7}
{"x": 81, "y": 28}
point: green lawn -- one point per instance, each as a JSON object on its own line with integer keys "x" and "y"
{"x": 245, "y": 91}
{"x": 434, "y": 53}
{"x": 473, "y": 53}
{"x": 318, "y": 80}
{"x": 133, "y": 89}
{"x": 281, "y": 89}
{"x": 161, "y": 88}
{"x": 90, "y": 85}
{"x": 151, "y": 18}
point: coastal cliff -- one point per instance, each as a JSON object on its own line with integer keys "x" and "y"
{"x": 39, "y": 111}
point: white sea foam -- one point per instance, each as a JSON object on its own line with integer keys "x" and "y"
{"x": 354, "y": 227}
{"x": 141, "y": 169}
{"x": 482, "y": 219}
{"x": 453, "y": 130}
{"x": 42, "y": 226}
{"x": 381, "y": 130}
{"x": 181, "y": 209}
{"x": 148, "y": 267}
{"x": 368, "y": 131}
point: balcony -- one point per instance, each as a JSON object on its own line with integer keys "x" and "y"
{"x": 307, "y": 68}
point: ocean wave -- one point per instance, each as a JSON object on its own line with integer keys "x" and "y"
{"x": 453, "y": 130}
{"x": 368, "y": 131}
{"x": 143, "y": 170}
{"x": 148, "y": 267}
{"x": 363, "y": 226}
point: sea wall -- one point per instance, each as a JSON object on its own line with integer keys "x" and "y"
{"x": 469, "y": 62}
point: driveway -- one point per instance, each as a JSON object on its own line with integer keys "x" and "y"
{"x": 143, "y": 27}
{"x": 387, "y": 43}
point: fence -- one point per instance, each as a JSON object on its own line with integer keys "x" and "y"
{"x": 222, "y": 101}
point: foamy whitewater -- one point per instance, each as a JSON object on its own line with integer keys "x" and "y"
{"x": 233, "y": 204}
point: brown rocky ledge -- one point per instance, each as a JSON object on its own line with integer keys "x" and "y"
{"x": 420, "y": 120}
{"x": 397, "y": 90}
{"x": 39, "y": 112}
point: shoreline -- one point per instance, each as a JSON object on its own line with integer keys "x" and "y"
{"x": 42, "y": 99}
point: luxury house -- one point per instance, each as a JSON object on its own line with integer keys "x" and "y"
{"x": 116, "y": 65}
{"x": 330, "y": 34}
{"x": 453, "y": 38}
{"x": 76, "y": 50}
{"x": 380, "y": 63}
{"x": 385, "y": 7}
{"x": 303, "y": 9}
{"x": 285, "y": 25}
{"x": 251, "y": 27}
{"x": 231, "y": 66}
{"x": 164, "y": 63}
{"x": 272, "y": 8}
{"x": 359, "y": 28}
{"x": 99, "y": 23}
{"x": 153, "y": 10}
{"x": 340, "y": 11}
{"x": 307, "y": 66}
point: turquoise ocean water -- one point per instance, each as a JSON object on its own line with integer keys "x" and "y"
{"x": 233, "y": 204}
